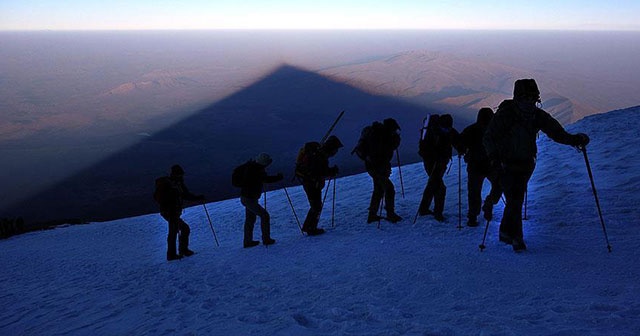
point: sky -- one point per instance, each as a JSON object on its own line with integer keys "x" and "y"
{"x": 328, "y": 14}
{"x": 430, "y": 278}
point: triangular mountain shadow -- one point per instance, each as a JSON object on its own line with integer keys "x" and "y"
{"x": 277, "y": 114}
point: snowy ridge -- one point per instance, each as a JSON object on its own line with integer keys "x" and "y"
{"x": 424, "y": 279}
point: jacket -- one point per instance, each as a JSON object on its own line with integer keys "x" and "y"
{"x": 171, "y": 193}
{"x": 254, "y": 179}
{"x": 511, "y": 135}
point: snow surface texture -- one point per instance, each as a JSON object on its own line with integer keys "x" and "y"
{"x": 402, "y": 279}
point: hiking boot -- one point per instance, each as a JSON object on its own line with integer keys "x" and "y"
{"x": 314, "y": 232}
{"x": 373, "y": 218}
{"x": 425, "y": 212}
{"x": 505, "y": 238}
{"x": 186, "y": 253}
{"x": 251, "y": 243}
{"x": 472, "y": 222}
{"x": 173, "y": 256}
{"x": 268, "y": 241}
{"x": 439, "y": 217}
{"x": 487, "y": 211}
{"x": 518, "y": 244}
{"x": 393, "y": 217}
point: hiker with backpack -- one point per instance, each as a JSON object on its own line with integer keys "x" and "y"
{"x": 250, "y": 177}
{"x": 312, "y": 168}
{"x": 376, "y": 147}
{"x": 436, "y": 151}
{"x": 478, "y": 167}
{"x": 510, "y": 143}
{"x": 170, "y": 194}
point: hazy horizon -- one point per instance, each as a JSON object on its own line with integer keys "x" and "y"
{"x": 329, "y": 14}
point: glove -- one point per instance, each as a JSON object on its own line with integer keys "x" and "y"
{"x": 580, "y": 140}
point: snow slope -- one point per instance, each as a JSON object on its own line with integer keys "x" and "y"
{"x": 403, "y": 279}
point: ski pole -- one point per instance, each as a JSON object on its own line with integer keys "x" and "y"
{"x": 595, "y": 194}
{"x": 324, "y": 138}
{"x": 400, "y": 173}
{"x": 333, "y": 207}
{"x": 211, "y": 224}
{"x": 484, "y": 237}
{"x": 293, "y": 209}
{"x": 459, "y": 194}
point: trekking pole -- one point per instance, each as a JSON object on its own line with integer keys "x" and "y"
{"x": 415, "y": 218}
{"x": 484, "y": 237}
{"x": 324, "y": 138}
{"x": 526, "y": 200}
{"x": 583, "y": 149}
{"x": 333, "y": 207}
{"x": 400, "y": 173}
{"x": 210, "y": 224}
{"x": 459, "y": 194}
{"x": 380, "y": 215}
{"x": 293, "y": 209}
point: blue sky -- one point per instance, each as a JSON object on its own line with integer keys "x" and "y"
{"x": 325, "y": 14}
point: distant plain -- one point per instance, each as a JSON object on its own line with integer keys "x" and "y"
{"x": 89, "y": 119}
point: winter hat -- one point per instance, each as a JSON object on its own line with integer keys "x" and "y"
{"x": 176, "y": 170}
{"x": 333, "y": 142}
{"x": 263, "y": 159}
{"x": 525, "y": 87}
{"x": 391, "y": 124}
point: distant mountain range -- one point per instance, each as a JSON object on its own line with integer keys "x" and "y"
{"x": 444, "y": 81}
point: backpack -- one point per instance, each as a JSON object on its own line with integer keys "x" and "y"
{"x": 365, "y": 146}
{"x": 304, "y": 158}
{"x": 429, "y": 137}
{"x": 239, "y": 174}
{"x": 163, "y": 190}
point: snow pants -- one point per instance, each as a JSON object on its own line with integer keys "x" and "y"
{"x": 252, "y": 211}
{"x": 176, "y": 224}
{"x": 514, "y": 184}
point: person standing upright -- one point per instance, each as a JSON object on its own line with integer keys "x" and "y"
{"x": 376, "y": 147}
{"x": 435, "y": 158}
{"x": 170, "y": 194}
{"x": 251, "y": 177}
{"x": 312, "y": 170}
{"x": 510, "y": 142}
{"x": 478, "y": 167}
